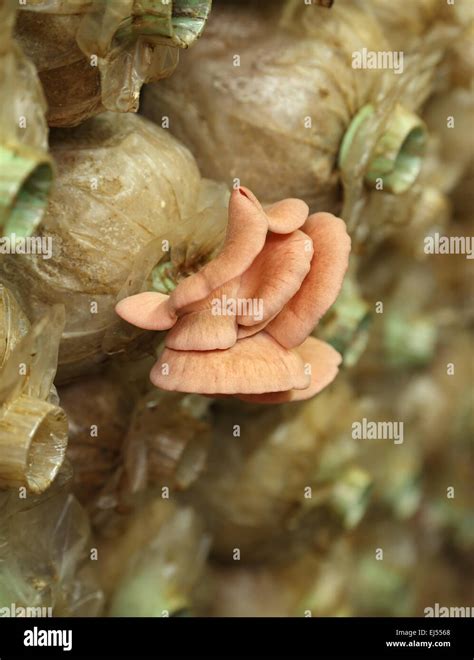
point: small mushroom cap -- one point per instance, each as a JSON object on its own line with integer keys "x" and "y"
{"x": 209, "y": 324}
{"x": 148, "y": 310}
{"x": 254, "y": 365}
{"x": 246, "y": 232}
{"x": 276, "y": 274}
{"x": 324, "y": 363}
{"x": 321, "y": 286}
{"x": 286, "y": 216}
{"x": 202, "y": 331}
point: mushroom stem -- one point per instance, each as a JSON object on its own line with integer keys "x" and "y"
{"x": 33, "y": 440}
{"x": 24, "y": 187}
{"x": 397, "y": 157}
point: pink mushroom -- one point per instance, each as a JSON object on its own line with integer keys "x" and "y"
{"x": 241, "y": 325}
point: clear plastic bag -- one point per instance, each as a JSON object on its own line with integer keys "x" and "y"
{"x": 127, "y": 196}
{"x": 94, "y": 55}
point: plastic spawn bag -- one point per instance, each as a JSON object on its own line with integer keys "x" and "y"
{"x": 33, "y": 428}
{"x": 123, "y": 442}
{"x": 25, "y": 167}
{"x": 293, "y": 114}
{"x": 151, "y": 566}
{"x": 288, "y": 482}
{"x": 128, "y": 196}
{"x": 414, "y": 22}
{"x": 46, "y": 567}
{"x": 98, "y": 408}
{"x": 94, "y": 55}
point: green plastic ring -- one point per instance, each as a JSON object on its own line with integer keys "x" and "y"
{"x": 25, "y": 184}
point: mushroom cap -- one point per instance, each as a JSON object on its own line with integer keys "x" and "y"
{"x": 276, "y": 274}
{"x": 148, "y": 310}
{"x": 286, "y": 216}
{"x": 210, "y": 324}
{"x": 246, "y": 233}
{"x": 253, "y": 365}
{"x": 321, "y": 286}
{"x": 323, "y": 361}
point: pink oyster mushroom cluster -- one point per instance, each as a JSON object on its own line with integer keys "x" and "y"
{"x": 292, "y": 267}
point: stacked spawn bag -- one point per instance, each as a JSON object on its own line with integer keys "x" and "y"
{"x": 254, "y": 95}
{"x": 25, "y": 166}
{"x": 423, "y": 338}
{"x": 307, "y": 586}
{"x": 178, "y": 208}
{"x": 132, "y": 451}
{"x": 106, "y": 164}
{"x": 272, "y": 97}
{"x": 95, "y": 56}
{"x": 55, "y": 574}
{"x": 107, "y": 245}
{"x": 152, "y": 561}
{"x": 48, "y": 564}
{"x": 43, "y": 530}
{"x": 245, "y": 512}
{"x": 33, "y": 429}
{"x": 422, "y": 503}
{"x": 409, "y": 515}
{"x": 280, "y": 480}
{"x": 406, "y": 217}
{"x": 324, "y": 519}
{"x": 99, "y": 408}
{"x": 406, "y": 374}
{"x": 127, "y": 439}
{"x": 311, "y": 494}
{"x": 127, "y": 197}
